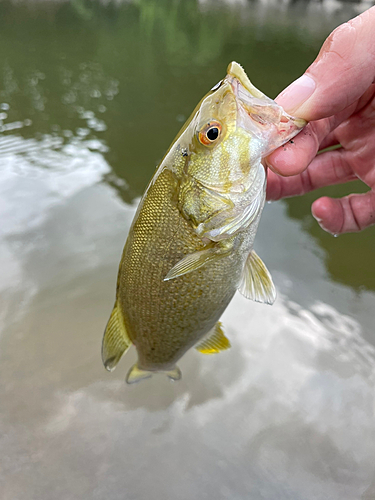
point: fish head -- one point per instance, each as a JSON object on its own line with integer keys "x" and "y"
{"x": 234, "y": 127}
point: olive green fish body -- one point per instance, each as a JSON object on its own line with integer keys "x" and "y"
{"x": 190, "y": 246}
{"x": 165, "y": 318}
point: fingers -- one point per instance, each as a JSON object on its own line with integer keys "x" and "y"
{"x": 342, "y": 72}
{"x": 296, "y": 155}
{"x": 345, "y": 215}
{"x": 330, "y": 140}
{"x": 328, "y": 168}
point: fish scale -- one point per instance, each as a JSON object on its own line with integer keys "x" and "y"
{"x": 178, "y": 331}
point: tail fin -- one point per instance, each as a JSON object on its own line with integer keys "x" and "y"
{"x": 135, "y": 374}
{"x": 115, "y": 340}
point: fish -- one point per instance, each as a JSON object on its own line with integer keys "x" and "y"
{"x": 190, "y": 245}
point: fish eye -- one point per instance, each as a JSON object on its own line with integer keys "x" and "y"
{"x": 210, "y": 133}
{"x": 213, "y": 133}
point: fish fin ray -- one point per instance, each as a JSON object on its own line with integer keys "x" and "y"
{"x": 174, "y": 374}
{"x": 191, "y": 262}
{"x": 136, "y": 374}
{"x": 115, "y": 339}
{"x": 215, "y": 342}
{"x": 256, "y": 281}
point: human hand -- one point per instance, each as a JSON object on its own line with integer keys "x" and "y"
{"x": 336, "y": 96}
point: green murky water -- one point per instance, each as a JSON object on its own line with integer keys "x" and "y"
{"x": 91, "y": 95}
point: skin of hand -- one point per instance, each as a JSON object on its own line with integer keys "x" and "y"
{"x": 336, "y": 95}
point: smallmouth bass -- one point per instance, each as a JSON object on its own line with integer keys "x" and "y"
{"x": 190, "y": 246}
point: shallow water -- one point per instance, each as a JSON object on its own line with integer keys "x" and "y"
{"x": 91, "y": 95}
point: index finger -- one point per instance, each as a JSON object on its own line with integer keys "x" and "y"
{"x": 342, "y": 72}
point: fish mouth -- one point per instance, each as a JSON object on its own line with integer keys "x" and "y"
{"x": 258, "y": 114}
{"x": 237, "y": 73}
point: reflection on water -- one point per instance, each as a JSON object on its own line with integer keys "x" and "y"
{"x": 91, "y": 95}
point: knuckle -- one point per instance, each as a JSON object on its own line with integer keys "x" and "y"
{"x": 353, "y": 221}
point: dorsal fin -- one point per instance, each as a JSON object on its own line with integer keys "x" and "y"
{"x": 256, "y": 281}
{"x": 215, "y": 342}
{"x": 115, "y": 340}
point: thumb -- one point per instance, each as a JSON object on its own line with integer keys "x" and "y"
{"x": 342, "y": 72}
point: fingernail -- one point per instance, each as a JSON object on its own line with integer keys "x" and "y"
{"x": 296, "y": 94}
{"x": 320, "y": 222}
{"x": 270, "y": 165}
{"x": 318, "y": 219}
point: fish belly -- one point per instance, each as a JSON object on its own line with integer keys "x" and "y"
{"x": 165, "y": 318}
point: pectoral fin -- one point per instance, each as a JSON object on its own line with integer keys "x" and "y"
{"x": 215, "y": 342}
{"x": 256, "y": 282}
{"x": 115, "y": 341}
{"x": 192, "y": 262}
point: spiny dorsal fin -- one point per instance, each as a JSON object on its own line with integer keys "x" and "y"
{"x": 215, "y": 343}
{"x": 115, "y": 340}
{"x": 256, "y": 282}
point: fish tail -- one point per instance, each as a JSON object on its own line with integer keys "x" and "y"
{"x": 136, "y": 374}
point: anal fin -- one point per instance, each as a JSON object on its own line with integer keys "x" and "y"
{"x": 215, "y": 342}
{"x": 115, "y": 340}
{"x": 256, "y": 281}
